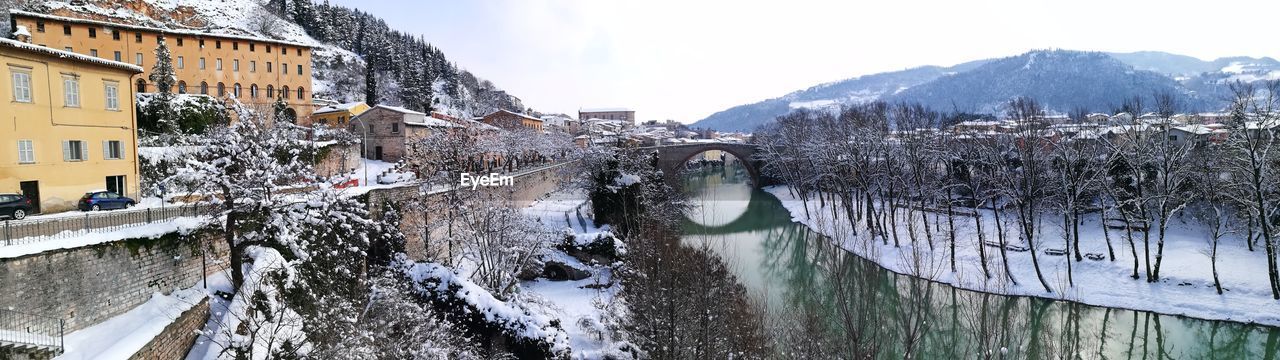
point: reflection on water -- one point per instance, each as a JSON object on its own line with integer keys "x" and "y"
{"x": 824, "y": 302}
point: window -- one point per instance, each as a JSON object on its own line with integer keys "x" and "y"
{"x": 137, "y": 59}
{"x": 284, "y": 92}
{"x": 222, "y": 90}
{"x": 74, "y": 150}
{"x": 251, "y": 46}
{"x": 70, "y": 91}
{"x": 284, "y": 51}
{"x": 159, "y": 39}
{"x": 93, "y": 52}
{"x": 300, "y": 91}
{"x": 111, "y": 150}
{"x": 21, "y": 85}
{"x": 299, "y": 51}
{"x": 235, "y": 46}
{"x": 253, "y": 66}
{"x": 26, "y": 152}
{"x": 395, "y": 128}
{"x": 93, "y": 32}
{"x": 66, "y": 29}
{"x": 142, "y": 85}
{"x": 217, "y": 64}
{"x": 268, "y": 66}
{"x": 201, "y": 43}
{"x": 115, "y": 35}
{"x": 235, "y": 90}
{"x": 118, "y": 56}
{"x": 271, "y": 91}
{"x": 284, "y": 68}
{"x": 40, "y": 26}
{"x": 182, "y": 62}
{"x": 268, "y": 49}
{"x": 201, "y": 63}
{"x": 137, "y": 37}
{"x": 179, "y": 41}
{"x": 299, "y": 69}
{"x": 253, "y": 91}
{"x": 217, "y": 44}
{"x": 112, "y": 91}
{"x": 235, "y": 65}
{"x": 204, "y": 88}
{"x": 182, "y": 87}
{"x": 68, "y": 49}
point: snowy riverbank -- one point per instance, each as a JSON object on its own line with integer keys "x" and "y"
{"x": 1186, "y": 286}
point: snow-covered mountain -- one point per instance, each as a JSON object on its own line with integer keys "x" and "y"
{"x": 339, "y": 65}
{"x": 1062, "y": 79}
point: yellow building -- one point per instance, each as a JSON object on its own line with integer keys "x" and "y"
{"x": 67, "y": 124}
{"x": 339, "y": 115}
{"x": 252, "y": 70}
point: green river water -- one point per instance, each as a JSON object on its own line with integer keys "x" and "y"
{"x": 815, "y": 292}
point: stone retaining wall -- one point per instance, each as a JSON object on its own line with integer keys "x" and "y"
{"x": 177, "y": 338}
{"x": 86, "y": 285}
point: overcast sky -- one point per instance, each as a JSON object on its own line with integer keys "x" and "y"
{"x": 686, "y": 59}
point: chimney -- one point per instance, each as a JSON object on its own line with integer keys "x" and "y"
{"x": 21, "y": 34}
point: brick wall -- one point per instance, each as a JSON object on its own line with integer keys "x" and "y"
{"x": 177, "y": 338}
{"x": 86, "y": 285}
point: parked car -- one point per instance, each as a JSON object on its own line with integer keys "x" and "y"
{"x": 103, "y": 200}
{"x": 14, "y": 206}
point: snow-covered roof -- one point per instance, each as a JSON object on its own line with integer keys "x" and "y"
{"x": 338, "y": 107}
{"x": 192, "y": 32}
{"x": 21, "y": 31}
{"x": 399, "y": 109}
{"x": 605, "y": 109}
{"x": 431, "y": 122}
{"x": 14, "y": 44}
{"x": 516, "y": 114}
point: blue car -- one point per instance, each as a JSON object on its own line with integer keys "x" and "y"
{"x": 104, "y": 200}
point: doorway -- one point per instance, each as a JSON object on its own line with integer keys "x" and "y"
{"x": 377, "y": 153}
{"x": 31, "y": 189}
{"x": 116, "y": 185}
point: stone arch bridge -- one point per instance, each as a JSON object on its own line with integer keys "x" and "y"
{"x": 671, "y": 158}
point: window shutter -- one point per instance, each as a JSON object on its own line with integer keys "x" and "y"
{"x": 106, "y": 149}
{"x": 84, "y": 151}
{"x": 122, "y": 156}
{"x": 66, "y": 150}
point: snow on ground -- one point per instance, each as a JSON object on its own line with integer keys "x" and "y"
{"x": 1186, "y": 286}
{"x": 283, "y": 323}
{"x": 123, "y": 335}
{"x": 182, "y": 224}
{"x": 581, "y": 304}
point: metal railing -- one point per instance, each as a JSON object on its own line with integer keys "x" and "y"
{"x": 30, "y": 332}
{"x": 15, "y": 232}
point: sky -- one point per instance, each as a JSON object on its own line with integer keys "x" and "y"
{"x": 686, "y": 59}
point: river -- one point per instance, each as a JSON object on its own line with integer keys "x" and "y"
{"x": 822, "y": 301}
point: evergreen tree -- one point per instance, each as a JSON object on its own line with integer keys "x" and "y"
{"x": 161, "y": 107}
{"x": 281, "y": 113}
{"x": 370, "y": 85}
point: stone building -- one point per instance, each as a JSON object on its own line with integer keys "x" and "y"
{"x": 387, "y": 130}
{"x": 255, "y": 71}
{"x": 626, "y": 115}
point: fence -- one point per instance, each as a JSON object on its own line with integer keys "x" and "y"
{"x": 14, "y": 232}
{"x": 22, "y": 331}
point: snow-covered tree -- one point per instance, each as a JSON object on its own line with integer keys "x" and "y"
{"x": 160, "y": 106}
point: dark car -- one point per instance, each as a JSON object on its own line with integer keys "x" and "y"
{"x": 103, "y": 200}
{"x": 15, "y": 206}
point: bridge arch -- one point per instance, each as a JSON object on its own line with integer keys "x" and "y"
{"x": 671, "y": 158}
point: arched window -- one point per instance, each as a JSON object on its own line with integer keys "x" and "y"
{"x": 204, "y": 88}
{"x": 182, "y": 87}
{"x": 300, "y": 93}
{"x": 235, "y": 90}
{"x": 253, "y": 91}
{"x": 222, "y": 90}
{"x": 271, "y": 91}
{"x": 284, "y": 92}
{"x": 142, "y": 86}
